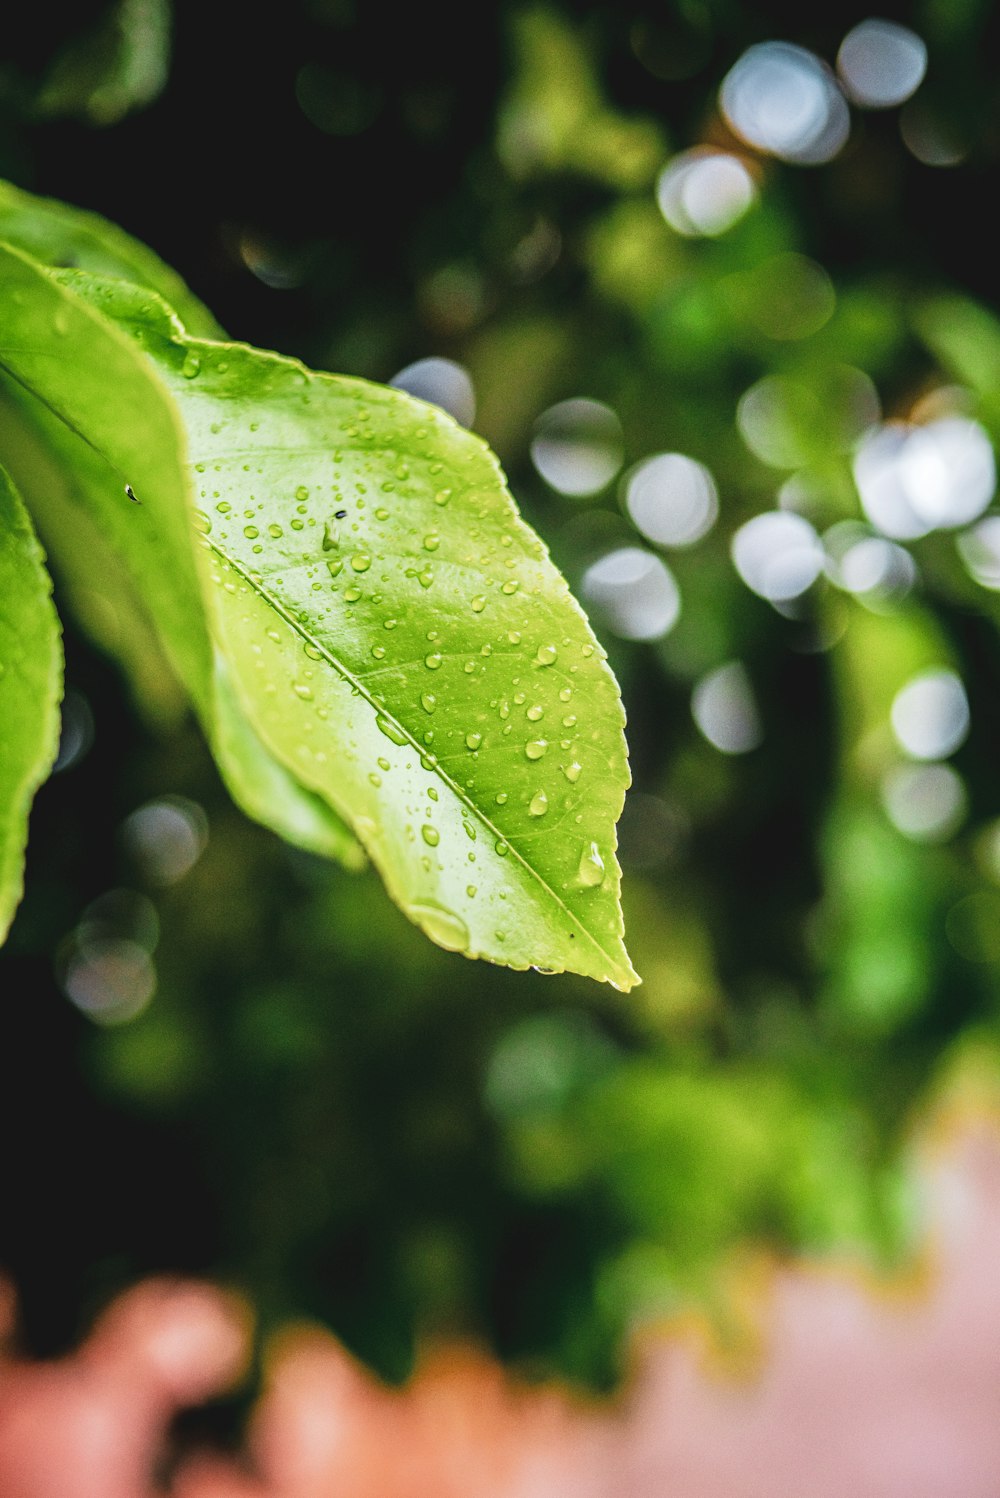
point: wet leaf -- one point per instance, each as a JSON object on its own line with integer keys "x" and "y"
{"x": 135, "y": 559}
{"x": 396, "y": 634}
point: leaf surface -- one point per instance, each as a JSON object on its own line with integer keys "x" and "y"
{"x": 30, "y": 687}
{"x": 133, "y": 556}
{"x": 403, "y": 640}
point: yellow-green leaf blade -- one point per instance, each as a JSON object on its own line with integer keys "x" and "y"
{"x": 404, "y": 642}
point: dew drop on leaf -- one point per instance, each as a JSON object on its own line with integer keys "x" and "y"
{"x": 441, "y": 925}
{"x": 430, "y": 835}
{"x": 538, "y": 805}
{"x": 590, "y": 869}
{"x": 535, "y": 748}
{"x": 391, "y": 730}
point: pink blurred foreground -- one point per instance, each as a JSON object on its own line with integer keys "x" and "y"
{"x": 891, "y": 1393}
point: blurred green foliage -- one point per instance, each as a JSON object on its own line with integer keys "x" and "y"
{"x": 315, "y": 1104}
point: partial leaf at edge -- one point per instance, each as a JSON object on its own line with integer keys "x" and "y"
{"x": 58, "y": 235}
{"x": 57, "y": 348}
{"x": 30, "y": 687}
{"x": 403, "y": 640}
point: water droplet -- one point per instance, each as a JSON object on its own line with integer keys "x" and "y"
{"x": 478, "y": 604}
{"x": 351, "y": 594}
{"x": 361, "y": 562}
{"x": 202, "y": 522}
{"x": 501, "y": 798}
{"x": 501, "y": 848}
{"x": 570, "y": 720}
{"x": 432, "y": 542}
{"x": 428, "y": 702}
{"x": 391, "y": 729}
{"x": 302, "y": 492}
{"x": 470, "y": 890}
{"x": 430, "y": 835}
{"x": 535, "y": 712}
{"x": 296, "y": 524}
{"x": 565, "y": 694}
{"x": 546, "y": 655}
{"x": 510, "y": 586}
{"x": 375, "y": 779}
{"x": 191, "y": 366}
{"x": 572, "y": 772}
{"x": 251, "y": 532}
{"x": 425, "y": 578}
{"x": 378, "y": 651}
{"x": 535, "y": 748}
{"x": 473, "y": 740}
{"x": 274, "y": 531}
{"x": 313, "y": 652}
{"x": 383, "y": 764}
{"x": 590, "y": 870}
{"x": 538, "y": 805}
{"x": 442, "y": 497}
{"x": 301, "y": 690}
{"x": 441, "y": 925}
{"x": 331, "y": 540}
{"x": 514, "y": 636}
{"x": 432, "y": 662}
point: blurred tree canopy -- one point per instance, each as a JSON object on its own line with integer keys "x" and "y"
{"x": 783, "y": 294}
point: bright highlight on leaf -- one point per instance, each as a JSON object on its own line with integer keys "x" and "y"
{"x": 340, "y": 578}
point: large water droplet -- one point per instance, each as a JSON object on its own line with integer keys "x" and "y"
{"x": 538, "y": 805}
{"x": 391, "y": 729}
{"x": 191, "y": 365}
{"x": 590, "y": 869}
{"x": 430, "y": 835}
{"x": 546, "y": 655}
{"x": 361, "y": 562}
{"x": 441, "y": 925}
{"x": 473, "y": 740}
{"x": 433, "y": 661}
{"x": 428, "y": 702}
{"x": 535, "y": 748}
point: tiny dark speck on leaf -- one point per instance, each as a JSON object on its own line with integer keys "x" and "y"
{"x": 340, "y": 515}
{"x": 131, "y": 494}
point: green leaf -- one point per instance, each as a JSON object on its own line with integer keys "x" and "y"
{"x": 134, "y": 558}
{"x": 59, "y": 235}
{"x": 402, "y": 639}
{"x": 30, "y": 687}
